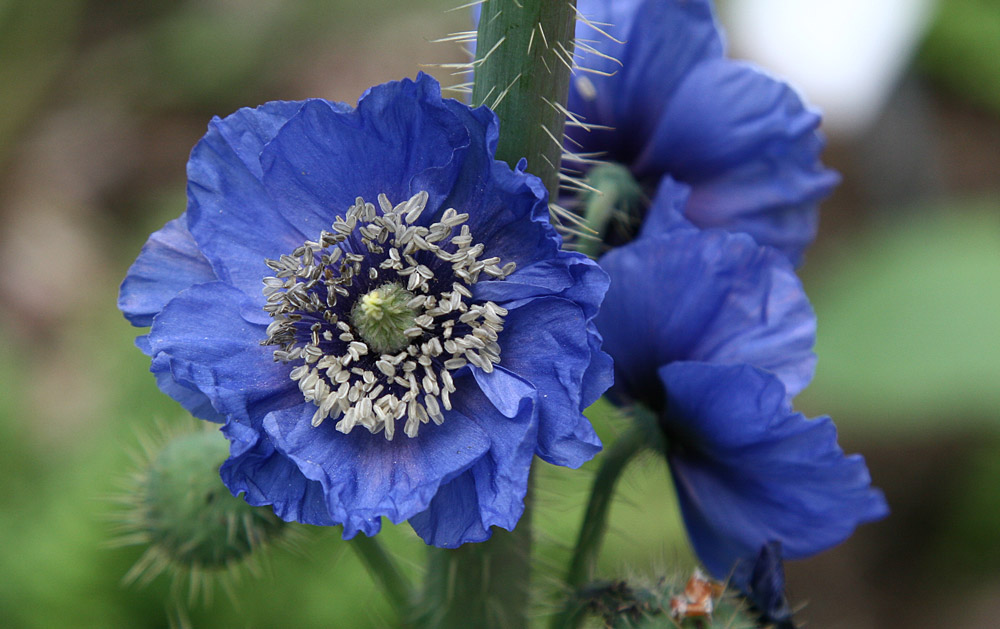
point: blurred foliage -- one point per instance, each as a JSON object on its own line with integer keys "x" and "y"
{"x": 908, "y": 336}
{"x": 962, "y": 48}
{"x": 966, "y": 546}
{"x": 36, "y": 44}
{"x": 908, "y": 340}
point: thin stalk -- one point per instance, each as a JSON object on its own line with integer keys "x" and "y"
{"x": 382, "y": 568}
{"x": 641, "y": 435}
{"x": 522, "y": 70}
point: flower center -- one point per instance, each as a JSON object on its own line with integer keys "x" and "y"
{"x": 382, "y": 316}
{"x": 379, "y": 313}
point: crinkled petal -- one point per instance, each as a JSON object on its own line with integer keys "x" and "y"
{"x": 748, "y": 146}
{"x": 203, "y": 343}
{"x": 248, "y": 130}
{"x": 533, "y": 335}
{"x": 511, "y": 205}
{"x": 364, "y": 476}
{"x": 267, "y": 477}
{"x": 600, "y": 374}
{"x": 400, "y": 140}
{"x": 749, "y": 471}
{"x": 193, "y": 400}
{"x": 491, "y": 492}
{"x": 706, "y": 296}
{"x": 568, "y": 275}
{"x": 168, "y": 263}
{"x": 511, "y": 214}
{"x": 230, "y": 214}
{"x": 658, "y": 44}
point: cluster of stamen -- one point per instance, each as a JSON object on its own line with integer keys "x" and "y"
{"x": 379, "y": 313}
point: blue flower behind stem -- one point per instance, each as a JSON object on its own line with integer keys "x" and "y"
{"x": 665, "y": 100}
{"x": 714, "y": 334}
{"x": 265, "y": 183}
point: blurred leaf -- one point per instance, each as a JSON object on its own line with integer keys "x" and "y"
{"x": 36, "y": 39}
{"x": 909, "y": 332}
{"x": 962, "y": 48}
{"x": 966, "y": 547}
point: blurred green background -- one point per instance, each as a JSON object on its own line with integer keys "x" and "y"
{"x": 100, "y": 103}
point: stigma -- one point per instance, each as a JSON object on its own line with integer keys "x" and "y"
{"x": 379, "y": 316}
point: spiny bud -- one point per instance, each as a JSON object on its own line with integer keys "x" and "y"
{"x": 194, "y": 528}
{"x": 697, "y": 602}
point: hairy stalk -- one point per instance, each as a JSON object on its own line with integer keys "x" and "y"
{"x": 644, "y": 433}
{"x": 480, "y": 585}
{"x": 382, "y": 567}
{"x": 524, "y": 56}
{"x": 522, "y": 69}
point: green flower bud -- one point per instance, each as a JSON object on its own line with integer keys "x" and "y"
{"x": 193, "y": 527}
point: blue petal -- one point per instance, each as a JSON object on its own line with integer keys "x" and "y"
{"x": 266, "y": 477}
{"x": 748, "y": 147}
{"x": 666, "y": 211}
{"x": 454, "y": 515}
{"x": 546, "y": 342}
{"x": 247, "y": 131}
{"x": 763, "y": 582}
{"x": 568, "y": 275}
{"x": 600, "y": 374}
{"x": 706, "y": 296}
{"x": 749, "y": 471}
{"x": 662, "y": 42}
{"x": 193, "y": 400}
{"x": 509, "y": 212}
{"x": 491, "y": 492}
{"x": 400, "y": 140}
{"x": 203, "y": 343}
{"x": 168, "y": 263}
{"x": 508, "y": 209}
{"x": 364, "y": 476}
{"x": 232, "y": 218}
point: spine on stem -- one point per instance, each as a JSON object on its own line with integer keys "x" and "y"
{"x": 522, "y": 71}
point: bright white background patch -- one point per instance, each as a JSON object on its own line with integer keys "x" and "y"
{"x": 845, "y": 56}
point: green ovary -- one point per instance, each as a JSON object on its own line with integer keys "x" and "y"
{"x": 382, "y": 316}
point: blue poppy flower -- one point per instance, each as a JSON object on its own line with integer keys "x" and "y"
{"x": 377, "y": 311}
{"x": 673, "y": 104}
{"x": 714, "y": 334}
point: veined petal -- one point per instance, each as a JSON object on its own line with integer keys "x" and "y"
{"x": 201, "y": 340}
{"x": 749, "y": 471}
{"x": 169, "y": 262}
{"x": 266, "y": 477}
{"x": 491, "y": 492}
{"x": 193, "y": 400}
{"x": 365, "y": 476}
{"x": 705, "y": 296}
{"x": 566, "y": 274}
{"x": 546, "y": 327}
{"x": 400, "y": 140}
{"x": 230, "y": 214}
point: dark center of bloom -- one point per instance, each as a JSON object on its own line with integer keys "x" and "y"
{"x": 378, "y": 313}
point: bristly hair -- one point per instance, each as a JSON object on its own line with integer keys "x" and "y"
{"x": 572, "y": 180}
{"x": 191, "y": 582}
